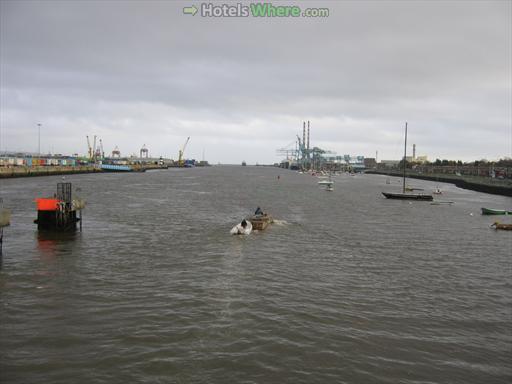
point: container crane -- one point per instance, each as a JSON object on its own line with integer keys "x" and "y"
{"x": 181, "y": 152}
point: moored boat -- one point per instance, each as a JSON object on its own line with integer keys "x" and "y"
{"x": 497, "y": 225}
{"x": 490, "y": 211}
{"x": 403, "y": 195}
{"x": 5, "y": 217}
{"x": 407, "y": 196}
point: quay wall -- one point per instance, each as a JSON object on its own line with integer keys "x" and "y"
{"x": 479, "y": 184}
{"x": 24, "y": 171}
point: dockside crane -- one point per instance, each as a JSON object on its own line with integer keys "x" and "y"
{"x": 99, "y": 154}
{"x": 181, "y": 152}
{"x": 89, "y": 149}
{"x": 116, "y": 152}
{"x": 94, "y": 152}
{"x": 94, "y": 149}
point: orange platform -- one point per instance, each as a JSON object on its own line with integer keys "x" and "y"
{"x": 47, "y": 204}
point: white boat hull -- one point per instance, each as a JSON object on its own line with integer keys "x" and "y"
{"x": 239, "y": 230}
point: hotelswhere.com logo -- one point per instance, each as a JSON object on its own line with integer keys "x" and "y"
{"x": 253, "y": 10}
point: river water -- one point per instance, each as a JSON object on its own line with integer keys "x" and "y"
{"x": 347, "y": 287}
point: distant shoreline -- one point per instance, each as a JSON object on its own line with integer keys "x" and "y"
{"x": 486, "y": 185}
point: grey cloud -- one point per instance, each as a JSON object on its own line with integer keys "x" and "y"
{"x": 142, "y": 72}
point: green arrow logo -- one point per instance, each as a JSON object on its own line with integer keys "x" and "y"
{"x": 190, "y": 10}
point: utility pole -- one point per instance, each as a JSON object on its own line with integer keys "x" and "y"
{"x": 39, "y": 139}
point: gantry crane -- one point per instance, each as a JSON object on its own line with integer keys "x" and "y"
{"x": 181, "y": 152}
{"x": 116, "y": 152}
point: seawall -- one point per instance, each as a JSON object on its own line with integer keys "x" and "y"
{"x": 23, "y": 171}
{"x": 486, "y": 185}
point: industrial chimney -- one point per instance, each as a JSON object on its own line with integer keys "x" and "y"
{"x": 304, "y": 134}
{"x": 308, "y": 139}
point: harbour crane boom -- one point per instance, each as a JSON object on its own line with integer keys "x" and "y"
{"x": 94, "y": 149}
{"x": 89, "y": 149}
{"x": 181, "y": 152}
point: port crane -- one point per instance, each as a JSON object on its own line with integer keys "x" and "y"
{"x": 89, "y": 148}
{"x": 181, "y": 152}
{"x": 94, "y": 152}
{"x": 116, "y": 152}
{"x": 99, "y": 153}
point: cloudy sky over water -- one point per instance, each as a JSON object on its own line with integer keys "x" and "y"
{"x": 142, "y": 72}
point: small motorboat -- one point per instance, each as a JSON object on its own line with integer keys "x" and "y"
{"x": 437, "y": 191}
{"x": 490, "y": 211}
{"x": 242, "y": 228}
{"x": 260, "y": 221}
{"x": 497, "y": 225}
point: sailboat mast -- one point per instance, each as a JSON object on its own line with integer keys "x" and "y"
{"x": 405, "y": 156}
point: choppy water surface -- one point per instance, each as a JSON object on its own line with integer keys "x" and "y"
{"x": 347, "y": 287}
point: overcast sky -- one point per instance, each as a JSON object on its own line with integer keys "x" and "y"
{"x": 142, "y": 72}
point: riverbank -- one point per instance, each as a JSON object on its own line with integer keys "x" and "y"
{"x": 479, "y": 184}
{"x": 24, "y": 171}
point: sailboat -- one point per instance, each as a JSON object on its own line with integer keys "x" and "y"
{"x": 403, "y": 195}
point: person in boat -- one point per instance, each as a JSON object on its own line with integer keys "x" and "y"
{"x": 259, "y": 212}
{"x": 243, "y": 224}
